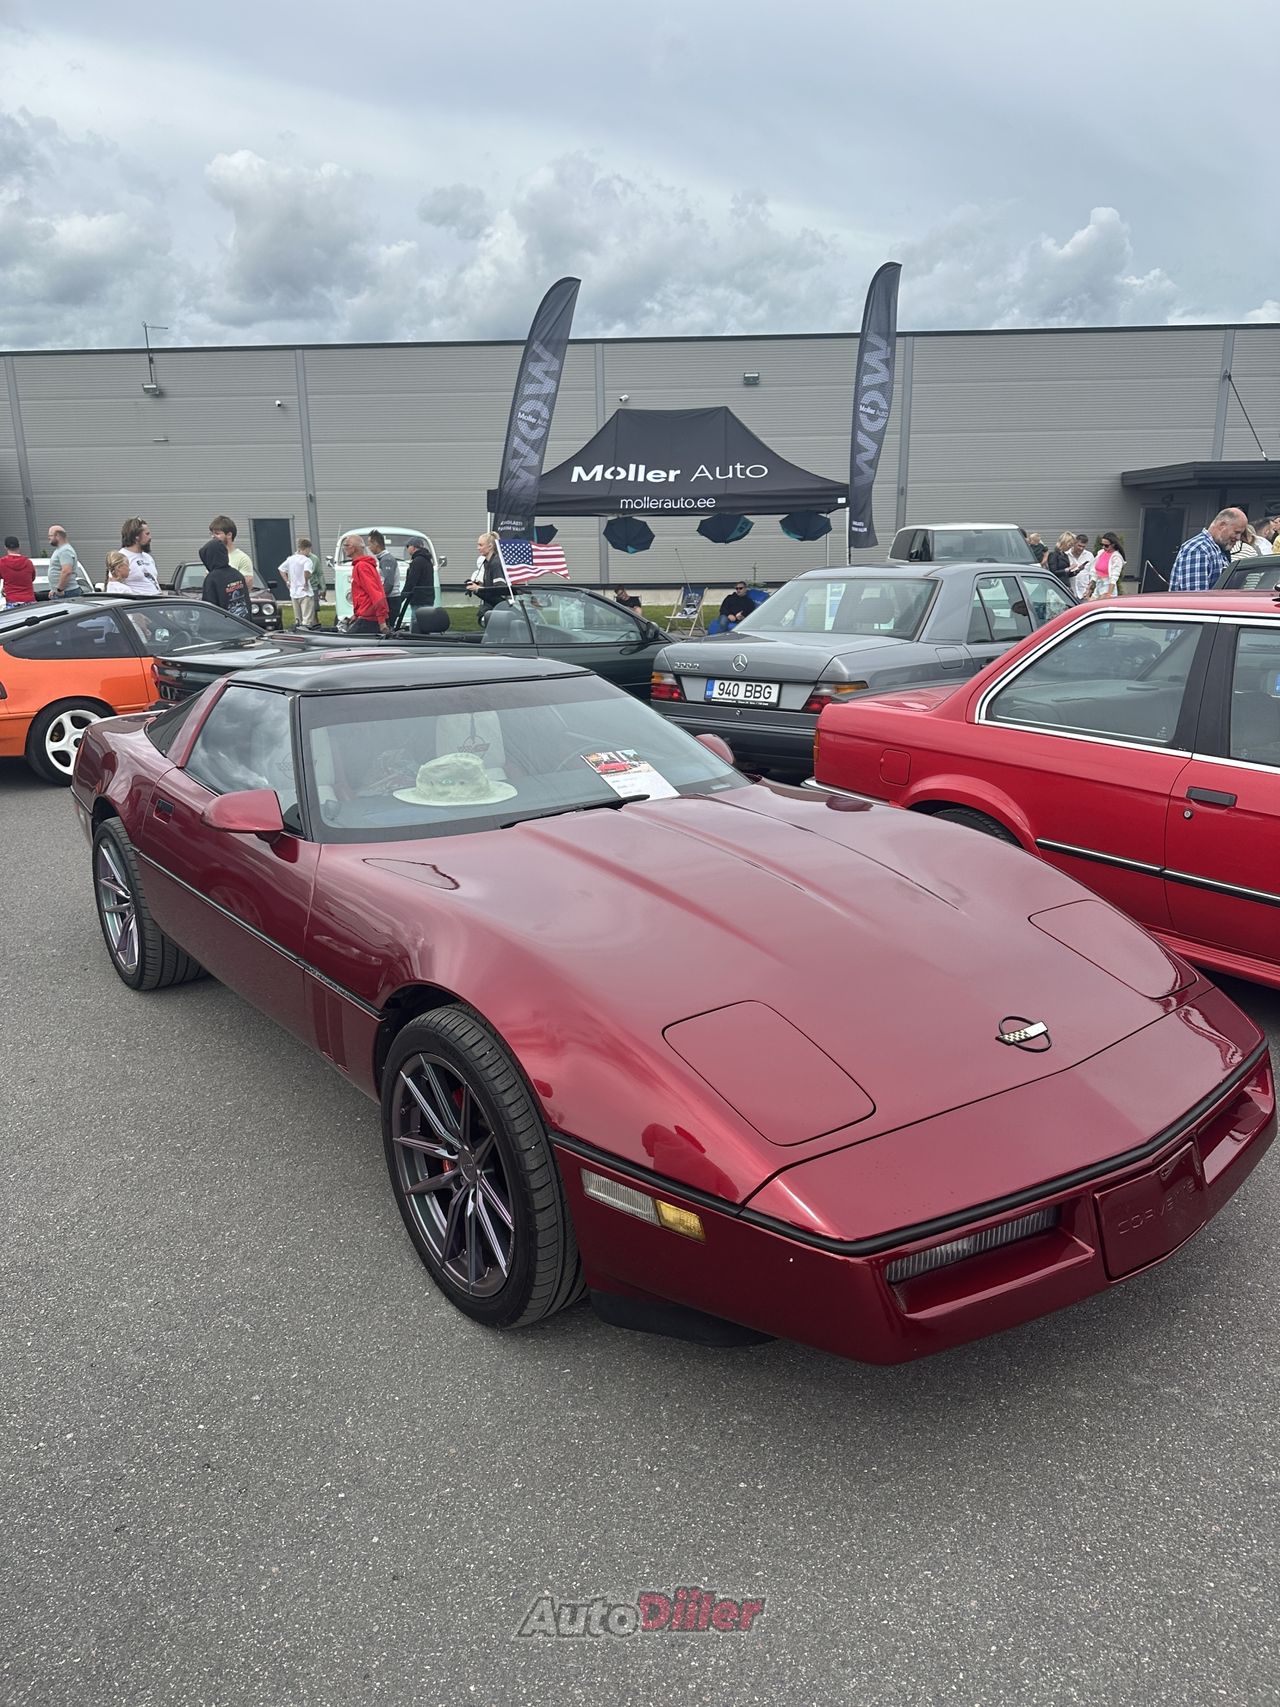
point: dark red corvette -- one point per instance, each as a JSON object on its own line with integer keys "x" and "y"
{"x": 717, "y": 1050}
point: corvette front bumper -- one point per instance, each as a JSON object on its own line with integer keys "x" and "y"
{"x": 752, "y": 1268}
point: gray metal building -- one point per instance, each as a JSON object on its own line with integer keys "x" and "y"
{"x": 1139, "y": 429}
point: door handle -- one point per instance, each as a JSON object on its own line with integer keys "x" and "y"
{"x": 1211, "y": 797}
{"x": 164, "y": 808}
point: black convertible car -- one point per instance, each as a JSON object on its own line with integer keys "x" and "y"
{"x": 567, "y": 624}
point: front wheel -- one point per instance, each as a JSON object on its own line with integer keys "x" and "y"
{"x": 55, "y": 735}
{"x": 143, "y": 956}
{"x": 473, "y": 1174}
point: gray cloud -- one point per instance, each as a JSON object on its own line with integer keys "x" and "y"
{"x": 460, "y": 209}
{"x": 967, "y": 273}
{"x": 312, "y": 251}
{"x": 84, "y": 258}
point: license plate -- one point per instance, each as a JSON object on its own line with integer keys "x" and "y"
{"x": 743, "y": 693}
{"x": 1151, "y": 1216}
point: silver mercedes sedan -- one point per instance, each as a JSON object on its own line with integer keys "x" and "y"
{"x": 835, "y": 632}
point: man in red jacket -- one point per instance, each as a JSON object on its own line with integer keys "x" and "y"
{"x": 17, "y": 575}
{"x": 369, "y": 610}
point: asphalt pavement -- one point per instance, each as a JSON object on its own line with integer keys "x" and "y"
{"x": 249, "y": 1456}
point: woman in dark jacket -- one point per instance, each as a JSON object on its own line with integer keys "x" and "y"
{"x": 1058, "y": 563}
{"x": 489, "y": 583}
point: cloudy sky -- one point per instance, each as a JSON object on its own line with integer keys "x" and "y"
{"x": 256, "y": 172}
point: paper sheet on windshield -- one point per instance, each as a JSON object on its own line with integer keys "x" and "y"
{"x": 628, "y": 774}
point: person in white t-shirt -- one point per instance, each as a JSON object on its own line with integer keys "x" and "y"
{"x": 1080, "y": 565}
{"x": 1264, "y": 538}
{"x": 143, "y": 577}
{"x": 295, "y": 571}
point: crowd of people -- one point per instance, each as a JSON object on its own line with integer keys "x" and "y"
{"x": 1227, "y": 538}
{"x": 378, "y": 599}
{"x": 230, "y": 580}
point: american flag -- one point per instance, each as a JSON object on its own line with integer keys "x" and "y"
{"x": 524, "y": 560}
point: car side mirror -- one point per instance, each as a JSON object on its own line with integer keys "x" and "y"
{"x": 248, "y": 812}
{"x": 719, "y": 746}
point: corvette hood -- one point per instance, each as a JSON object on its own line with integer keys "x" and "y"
{"x": 809, "y": 964}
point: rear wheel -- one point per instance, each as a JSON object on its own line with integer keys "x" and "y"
{"x": 473, "y": 1174}
{"x": 55, "y": 735}
{"x": 143, "y": 956}
{"x": 977, "y": 821}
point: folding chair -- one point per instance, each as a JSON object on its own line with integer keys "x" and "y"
{"x": 688, "y": 611}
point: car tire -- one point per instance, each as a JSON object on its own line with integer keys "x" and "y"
{"x": 143, "y": 956}
{"x": 54, "y": 737}
{"x": 977, "y": 821}
{"x": 473, "y": 1174}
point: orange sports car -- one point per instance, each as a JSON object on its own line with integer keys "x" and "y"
{"x": 67, "y": 663}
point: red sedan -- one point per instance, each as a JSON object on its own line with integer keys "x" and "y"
{"x": 1134, "y": 744}
{"x": 719, "y": 1052}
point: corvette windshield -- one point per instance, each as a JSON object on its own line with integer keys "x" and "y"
{"x": 441, "y": 761}
{"x": 852, "y": 604}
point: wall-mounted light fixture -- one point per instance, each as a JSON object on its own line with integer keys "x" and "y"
{"x": 751, "y": 379}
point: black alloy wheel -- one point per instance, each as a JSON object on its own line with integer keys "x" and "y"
{"x": 473, "y": 1174}
{"x": 143, "y": 956}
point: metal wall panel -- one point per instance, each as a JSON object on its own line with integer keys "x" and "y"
{"x": 1255, "y": 367}
{"x": 1036, "y": 428}
{"x": 1029, "y": 427}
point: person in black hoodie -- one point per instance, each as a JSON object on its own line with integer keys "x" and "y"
{"x": 420, "y": 579}
{"x": 223, "y": 585}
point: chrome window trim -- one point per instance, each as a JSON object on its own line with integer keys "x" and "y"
{"x": 980, "y": 714}
{"x": 1235, "y": 764}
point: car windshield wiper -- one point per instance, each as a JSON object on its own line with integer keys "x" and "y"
{"x": 561, "y": 811}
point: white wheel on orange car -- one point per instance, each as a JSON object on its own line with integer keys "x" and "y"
{"x": 55, "y": 735}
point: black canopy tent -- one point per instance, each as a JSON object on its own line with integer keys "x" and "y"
{"x": 680, "y": 462}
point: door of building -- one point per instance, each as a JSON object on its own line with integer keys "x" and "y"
{"x": 272, "y": 543}
{"x": 1163, "y": 531}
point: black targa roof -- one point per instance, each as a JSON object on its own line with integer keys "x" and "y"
{"x": 680, "y": 462}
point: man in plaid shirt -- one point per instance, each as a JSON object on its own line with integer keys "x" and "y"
{"x": 1203, "y": 558}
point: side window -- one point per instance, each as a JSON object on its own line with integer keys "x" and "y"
{"x": 164, "y": 729}
{"x": 181, "y": 625}
{"x": 246, "y": 743}
{"x": 1005, "y": 606}
{"x": 190, "y": 578}
{"x": 94, "y": 636}
{"x": 1045, "y": 598}
{"x": 920, "y": 547}
{"x": 1255, "y": 697}
{"x": 979, "y": 628}
{"x": 1123, "y": 680}
{"x": 575, "y": 620}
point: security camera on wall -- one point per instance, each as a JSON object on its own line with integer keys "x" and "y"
{"x": 279, "y": 402}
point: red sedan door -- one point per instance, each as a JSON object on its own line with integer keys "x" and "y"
{"x": 1223, "y": 852}
{"x": 238, "y": 903}
{"x": 1088, "y": 737}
